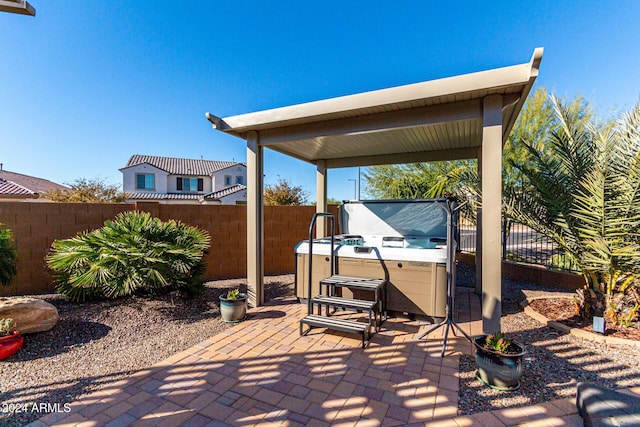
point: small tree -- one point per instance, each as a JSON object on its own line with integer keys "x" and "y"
{"x": 283, "y": 193}
{"x": 87, "y": 191}
{"x": 8, "y": 254}
{"x": 583, "y": 193}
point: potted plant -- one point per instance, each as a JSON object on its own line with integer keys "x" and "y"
{"x": 10, "y": 339}
{"x": 498, "y": 361}
{"x": 233, "y": 306}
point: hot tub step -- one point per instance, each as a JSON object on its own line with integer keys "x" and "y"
{"x": 376, "y": 286}
{"x": 350, "y": 304}
{"x": 354, "y": 282}
{"x": 342, "y": 325}
{"x": 355, "y": 304}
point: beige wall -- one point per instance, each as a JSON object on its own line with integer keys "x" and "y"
{"x": 36, "y": 225}
{"x": 129, "y": 178}
{"x": 234, "y": 172}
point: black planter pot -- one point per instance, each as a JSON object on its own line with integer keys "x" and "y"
{"x": 233, "y": 310}
{"x": 498, "y": 370}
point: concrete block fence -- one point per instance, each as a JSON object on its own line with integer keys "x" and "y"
{"x": 36, "y": 225}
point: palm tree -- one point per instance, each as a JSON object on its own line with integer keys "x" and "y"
{"x": 584, "y": 193}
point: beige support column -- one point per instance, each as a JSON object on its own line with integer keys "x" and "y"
{"x": 479, "y": 231}
{"x": 255, "y": 220}
{"x": 321, "y": 197}
{"x": 491, "y": 182}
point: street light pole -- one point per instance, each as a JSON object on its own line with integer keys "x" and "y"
{"x": 354, "y": 187}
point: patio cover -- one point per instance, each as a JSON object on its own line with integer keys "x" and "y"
{"x": 462, "y": 117}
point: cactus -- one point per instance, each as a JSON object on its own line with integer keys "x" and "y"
{"x": 6, "y": 327}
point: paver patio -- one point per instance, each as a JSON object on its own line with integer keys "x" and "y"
{"x": 261, "y": 372}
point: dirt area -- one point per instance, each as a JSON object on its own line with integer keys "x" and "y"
{"x": 563, "y": 310}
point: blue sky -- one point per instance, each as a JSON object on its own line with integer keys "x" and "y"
{"x": 86, "y": 84}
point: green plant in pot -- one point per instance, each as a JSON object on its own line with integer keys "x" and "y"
{"x": 498, "y": 361}
{"x": 233, "y": 306}
{"x": 10, "y": 339}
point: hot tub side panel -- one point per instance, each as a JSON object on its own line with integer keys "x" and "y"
{"x": 321, "y": 270}
{"x": 415, "y": 288}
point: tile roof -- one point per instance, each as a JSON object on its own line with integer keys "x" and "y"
{"x": 17, "y": 183}
{"x": 216, "y": 195}
{"x": 226, "y": 191}
{"x": 177, "y": 166}
{"x": 163, "y": 196}
{"x": 8, "y": 188}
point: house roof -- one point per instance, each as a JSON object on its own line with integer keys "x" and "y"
{"x": 12, "y": 183}
{"x": 226, "y": 191}
{"x": 11, "y": 189}
{"x": 162, "y": 196}
{"x": 216, "y": 195}
{"x": 179, "y": 166}
{"x": 432, "y": 120}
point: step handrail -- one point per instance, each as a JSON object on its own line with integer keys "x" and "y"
{"x": 311, "y": 228}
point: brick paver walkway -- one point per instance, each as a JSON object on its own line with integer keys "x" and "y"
{"x": 261, "y": 372}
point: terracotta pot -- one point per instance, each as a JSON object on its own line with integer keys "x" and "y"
{"x": 233, "y": 310}
{"x": 10, "y": 344}
{"x": 501, "y": 371}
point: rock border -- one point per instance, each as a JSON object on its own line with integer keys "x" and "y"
{"x": 592, "y": 336}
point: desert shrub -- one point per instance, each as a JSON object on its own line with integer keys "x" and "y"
{"x": 8, "y": 254}
{"x": 133, "y": 253}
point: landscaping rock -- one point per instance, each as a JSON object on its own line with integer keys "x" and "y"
{"x": 29, "y": 314}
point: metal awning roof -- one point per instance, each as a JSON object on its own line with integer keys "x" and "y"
{"x": 433, "y": 120}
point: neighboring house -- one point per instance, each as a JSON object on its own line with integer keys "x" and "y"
{"x": 16, "y": 186}
{"x": 174, "y": 180}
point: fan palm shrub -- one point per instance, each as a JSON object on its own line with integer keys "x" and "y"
{"x": 8, "y": 255}
{"x": 584, "y": 193}
{"x": 133, "y": 253}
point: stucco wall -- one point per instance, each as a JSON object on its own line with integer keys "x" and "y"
{"x": 234, "y": 172}
{"x": 232, "y": 199}
{"x": 172, "y": 184}
{"x": 129, "y": 178}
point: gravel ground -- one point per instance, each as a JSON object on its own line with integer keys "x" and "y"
{"x": 98, "y": 343}
{"x": 555, "y": 362}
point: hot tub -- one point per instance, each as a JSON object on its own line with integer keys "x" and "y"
{"x": 410, "y": 253}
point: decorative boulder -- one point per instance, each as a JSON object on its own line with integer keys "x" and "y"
{"x": 29, "y": 314}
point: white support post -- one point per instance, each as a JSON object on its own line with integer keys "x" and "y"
{"x": 491, "y": 159}
{"x": 321, "y": 197}
{"x": 255, "y": 220}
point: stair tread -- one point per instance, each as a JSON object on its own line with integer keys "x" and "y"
{"x": 353, "y": 282}
{"x": 329, "y": 322}
{"x": 349, "y": 302}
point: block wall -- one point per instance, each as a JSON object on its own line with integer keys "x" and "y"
{"x": 36, "y": 225}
